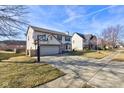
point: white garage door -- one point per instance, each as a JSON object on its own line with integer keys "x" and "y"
{"x": 49, "y": 50}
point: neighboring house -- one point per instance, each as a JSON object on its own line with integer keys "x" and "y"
{"x": 104, "y": 44}
{"x": 51, "y": 42}
{"x": 82, "y": 41}
{"x": 120, "y": 44}
{"x": 12, "y": 44}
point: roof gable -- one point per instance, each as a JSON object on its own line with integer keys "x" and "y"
{"x": 81, "y": 35}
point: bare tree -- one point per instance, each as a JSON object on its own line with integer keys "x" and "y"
{"x": 111, "y": 34}
{"x": 12, "y": 20}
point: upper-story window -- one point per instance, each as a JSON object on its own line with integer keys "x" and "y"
{"x": 28, "y": 37}
{"x": 43, "y": 37}
{"x": 59, "y": 37}
{"x": 67, "y": 38}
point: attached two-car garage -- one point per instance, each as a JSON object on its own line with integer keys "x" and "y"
{"x": 49, "y": 49}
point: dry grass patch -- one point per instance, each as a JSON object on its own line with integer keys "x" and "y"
{"x": 19, "y": 75}
{"x": 8, "y": 55}
{"x": 22, "y": 59}
{"x": 23, "y": 71}
{"x": 119, "y": 57}
{"x": 91, "y": 54}
{"x": 97, "y": 55}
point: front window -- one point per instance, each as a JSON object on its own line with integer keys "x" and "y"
{"x": 43, "y": 37}
{"x": 28, "y": 37}
{"x": 59, "y": 37}
{"x": 67, "y": 38}
{"x": 66, "y": 46}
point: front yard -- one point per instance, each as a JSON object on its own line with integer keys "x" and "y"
{"x": 119, "y": 57}
{"x": 8, "y": 55}
{"x": 97, "y": 54}
{"x": 18, "y": 70}
{"x": 92, "y": 54}
{"x": 23, "y": 71}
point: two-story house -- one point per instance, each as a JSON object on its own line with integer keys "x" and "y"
{"x": 82, "y": 41}
{"x": 51, "y": 42}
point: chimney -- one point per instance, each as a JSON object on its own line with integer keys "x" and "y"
{"x": 67, "y": 32}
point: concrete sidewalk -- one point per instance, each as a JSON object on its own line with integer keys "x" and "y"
{"x": 80, "y": 72}
{"x": 111, "y": 76}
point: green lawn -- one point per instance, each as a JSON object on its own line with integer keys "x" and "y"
{"x": 24, "y": 72}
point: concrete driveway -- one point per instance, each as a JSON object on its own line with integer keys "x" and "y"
{"x": 82, "y": 72}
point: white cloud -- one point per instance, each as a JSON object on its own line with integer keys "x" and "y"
{"x": 76, "y": 21}
{"x": 72, "y": 13}
{"x": 98, "y": 11}
{"x": 74, "y": 16}
{"x": 71, "y": 18}
{"x": 116, "y": 10}
{"x": 97, "y": 26}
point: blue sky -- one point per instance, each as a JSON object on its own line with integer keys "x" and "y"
{"x": 83, "y": 19}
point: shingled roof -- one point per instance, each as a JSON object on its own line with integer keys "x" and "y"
{"x": 86, "y": 36}
{"x": 47, "y": 30}
{"x": 81, "y": 35}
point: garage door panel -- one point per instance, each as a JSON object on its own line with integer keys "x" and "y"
{"x": 49, "y": 50}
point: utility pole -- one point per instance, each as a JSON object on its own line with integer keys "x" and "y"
{"x": 38, "y": 49}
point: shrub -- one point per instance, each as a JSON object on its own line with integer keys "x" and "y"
{"x": 8, "y": 49}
